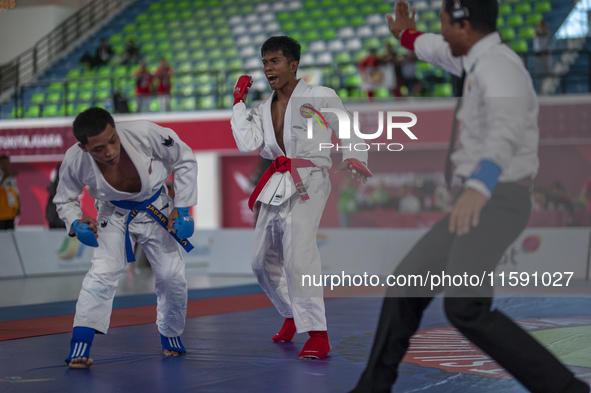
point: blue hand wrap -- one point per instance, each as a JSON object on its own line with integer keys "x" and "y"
{"x": 81, "y": 342}
{"x": 487, "y": 172}
{"x": 172, "y": 344}
{"x": 184, "y": 225}
{"x": 85, "y": 235}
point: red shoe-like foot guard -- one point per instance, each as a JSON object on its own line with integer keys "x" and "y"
{"x": 288, "y": 330}
{"x": 317, "y": 346}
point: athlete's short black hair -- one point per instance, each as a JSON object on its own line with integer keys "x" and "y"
{"x": 483, "y": 13}
{"x": 91, "y": 122}
{"x": 288, "y": 46}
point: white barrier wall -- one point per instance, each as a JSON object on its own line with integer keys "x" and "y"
{"x": 357, "y": 251}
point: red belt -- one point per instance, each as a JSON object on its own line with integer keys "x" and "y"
{"x": 282, "y": 164}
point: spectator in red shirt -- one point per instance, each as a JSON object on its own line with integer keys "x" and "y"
{"x": 143, "y": 88}
{"x": 163, "y": 74}
{"x": 366, "y": 67}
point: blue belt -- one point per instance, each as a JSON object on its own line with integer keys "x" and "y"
{"x": 156, "y": 214}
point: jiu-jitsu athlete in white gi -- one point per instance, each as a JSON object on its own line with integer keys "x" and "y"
{"x": 294, "y": 190}
{"x": 124, "y": 168}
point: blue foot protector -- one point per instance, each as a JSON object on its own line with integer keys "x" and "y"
{"x": 81, "y": 342}
{"x": 172, "y": 344}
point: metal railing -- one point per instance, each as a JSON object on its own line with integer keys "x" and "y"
{"x": 25, "y": 66}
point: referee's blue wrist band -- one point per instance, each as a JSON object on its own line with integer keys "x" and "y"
{"x": 487, "y": 172}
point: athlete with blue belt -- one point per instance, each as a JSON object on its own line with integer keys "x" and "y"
{"x": 124, "y": 169}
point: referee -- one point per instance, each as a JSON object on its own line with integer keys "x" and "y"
{"x": 497, "y": 158}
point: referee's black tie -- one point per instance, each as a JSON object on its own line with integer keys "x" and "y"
{"x": 458, "y": 92}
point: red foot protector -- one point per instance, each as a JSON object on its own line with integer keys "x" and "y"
{"x": 288, "y": 330}
{"x": 317, "y": 346}
{"x": 355, "y": 164}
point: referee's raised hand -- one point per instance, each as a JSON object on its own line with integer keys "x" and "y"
{"x": 403, "y": 19}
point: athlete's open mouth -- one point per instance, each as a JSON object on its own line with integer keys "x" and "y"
{"x": 271, "y": 78}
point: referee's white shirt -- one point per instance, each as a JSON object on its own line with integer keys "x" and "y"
{"x": 499, "y": 113}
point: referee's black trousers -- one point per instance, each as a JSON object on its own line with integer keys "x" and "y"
{"x": 468, "y": 308}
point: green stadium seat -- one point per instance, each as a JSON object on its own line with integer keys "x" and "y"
{"x": 205, "y": 89}
{"x": 198, "y": 54}
{"x": 187, "y": 90}
{"x": 215, "y": 53}
{"x": 228, "y": 101}
{"x": 508, "y": 35}
{"x": 219, "y": 65}
{"x": 154, "y": 105}
{"x": 156, "y": 16}
{"x": 504, "y": 10}
{"x": 307, "y": 24}
{"x": 519, "y": 46}
{"x": 317, "y": 13}
{"x": 132, "y": 104}
{"x": 342, "y": 57}
{"x": 54, "y": 98}
{"x": 353, "y": 81}
{"x": 211, "y": 43}
{"x": 174, "y": 25}
{"x": 161, "y": 35}
{"x": 183, "y": 5}
{"x": 329, "y": 34}
{"x": 350, "y": 11}
{"x": 56, "y": 86}
{"x": 71, "y": 96}
{"x": 38, "y": 98}
{"x": 235, "y": 64}
{"x": 198, "y": 4}
{"x": 33, "y": 111}
{"x": 427, "y": 16}
{"x": 145, "y": 27}
{"x": 85, "y": 96}
{"x": 340, "y": 22}
{"x": 310, "y": 4}
{"x": 82, "y": 107}
{"x": 202, "y": 66}
{"x": 186, "y": 14}
{"x": 73, "y": 86}
{"x": 204, "y": 78}
{"x": 207, "y": 102}
{"x": 154, "y": 7}
{"x": 360, "y": 55}
{"x": 103, "y": 95}
{"x": 104, "y": 71}
{"x": 120, "y": 71}
{"x": 534, "y": 19}
{"x": 357, "y": 21}
{"x": 543, "y": 7}
{"x": 311, "y": 35}
{"x": 227, "y": 41}
{"x": 343, "y": 93}
{"x": 145, "y": 37}
{"x": 231, "y": 52}
{"x": 372, "y": 43}
{"x": 148, "y": 48}
{"x": 73, "y": 73}
{"x": 164, "y": 46}
{"x": 368, "y": 9}
{"x": 527, "y": 33}
{"x": 424, "y": 67}
{"x": 382, "y": 92}
{"x": 523, "y": 8}
{"x": 129, "y": 28}
{"x": 443, "y": 90}
{"x": 171, "y": 15}
{"x": 435, "y": 27}
{"x": 500, "y": 23}
{"x": 142, "y": 18}
{"x": 87, "y": 85}
{"x": 333, "y": 12}
{"x": 386, "y": 8}
{"x": 116, "y": 39}
{"x": 515, "y": 21}
{"x": 289, "y": 26}
{"x": 188, "y": 104}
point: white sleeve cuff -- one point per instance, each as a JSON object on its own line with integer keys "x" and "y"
{"x": 479, "y": 186}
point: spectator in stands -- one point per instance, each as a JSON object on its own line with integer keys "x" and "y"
{"x": 542, "y": 46}
{"x": 50, "y": 210}
{"x": 143, "y": 88}
{"x": 408, "y": 202}
{"x": 558, "y": 199}
{"x": 131, "y": 53}
{"x": 539, "y": 201}
{"x": 408, "y": 69}
{"x": 120, "y": 102}
{"x": 366, "y": 67}
{"x": 10, "y": 206}
{"x": 586, "y": 194}
{"x": 442, "y": 199}
{"x": 347, "y": 202}
{"x": 163, "y": 74}
{"x": 103, "y": 54}
{"x": 380, "y": 197}
{"x": 391, "y": 57}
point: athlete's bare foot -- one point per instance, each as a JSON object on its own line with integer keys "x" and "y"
{"x": 315, "y": 357}
{"x": 166, "y": 352}
{"x": 80, "y": 363}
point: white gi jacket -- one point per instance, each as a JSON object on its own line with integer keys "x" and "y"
{"x": 155, "y": 151}
{"x": 255, "y": 130}
{"x": 499, "y": 112}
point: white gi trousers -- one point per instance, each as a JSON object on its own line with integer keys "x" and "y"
{"x": 95, "y": 301}
{"x": 285, "y": 248}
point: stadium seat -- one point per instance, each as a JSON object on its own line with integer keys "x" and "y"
{"x": 523, "y": 9}
{"x": 443, "y": 90}
{"x": 519, "y": 46}
{"x": 527, "y": 33}
{"x": 38, "y": 98}
{"x": 515, "y": 21}
{"x": 33, "y": 111}
{"x": 543, "y": 7}
{"x": 508, "y": 35}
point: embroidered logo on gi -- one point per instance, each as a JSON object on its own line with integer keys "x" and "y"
{"x": 168, "y": 142}
{"x": 307, "y": 111}
{"x": 104, "y": 224}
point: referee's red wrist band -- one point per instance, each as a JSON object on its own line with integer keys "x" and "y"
{"x": 408, "y": 37}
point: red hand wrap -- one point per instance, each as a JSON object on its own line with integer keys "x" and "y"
{"x": 408, "y": 37}
{"x": 355, "y": 164}
{"x": 241, "y": 88}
